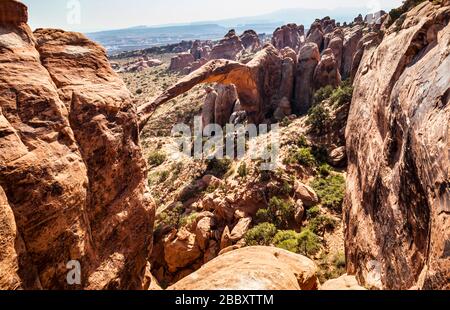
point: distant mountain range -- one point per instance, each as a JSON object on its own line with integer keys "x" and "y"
{"x": 147, "y": 36}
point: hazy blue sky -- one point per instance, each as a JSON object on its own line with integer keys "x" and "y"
{"x": 113, "y": 14}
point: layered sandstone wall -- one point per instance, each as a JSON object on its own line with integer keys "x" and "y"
{"x": 70, "y": 167}
{"x": 398, "y": 198}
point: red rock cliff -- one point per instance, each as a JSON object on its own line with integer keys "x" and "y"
{"x": 398, "y": 198}
{"x": 71, "y": 168}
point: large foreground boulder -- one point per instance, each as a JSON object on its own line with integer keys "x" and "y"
{"x": 254, "y": 268}
{"x": 344, "y": 283}
{"x": 397, "y": 210}
{"x": 327, "y": 71}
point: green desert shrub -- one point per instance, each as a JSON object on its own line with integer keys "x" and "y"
{"x": 331, "y": 191}
{"x": 287, "y": 240}
{"x": 321, "y": 224}
{"x": 285, "y": 122}
{"x": 323, "y": 94}
{"x": 176, "y": 168}
{"x": 242, "y": 170}
{"x": 263, "y": 216}
{"x": 265, "y": 176}
{"x": 320, "y": 154}
{"x": 313, "y": 213}
{"x": 339, "y": 261}
{"x": 342, "y": 95}
{"x": 305, "y": 157}
{"x": 170, "y": 218}
{"x": 188, "y": 219}
{"x": 280, "y": 212}
{"x": 163, "y": 176}
{"x": 261, "y": 234}
{"x": 318, "y": 118}
{"x": 302, "y": 156}
{"x": 286, "y": 188}
{"x": 290, "y": 245}
{"x": 332, "y": 267}
{"x": 308, "y": 243}
{"x": 156, "y": 159}
{"x": 218, "y": 167}
{"x": 301, "y": 141}
{"x": 325, "y": 170}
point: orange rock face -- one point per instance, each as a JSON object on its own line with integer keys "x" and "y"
{"x": 13, "y": 12}
{"x": 71, "y": 166}
{"x": 398, "y": 197}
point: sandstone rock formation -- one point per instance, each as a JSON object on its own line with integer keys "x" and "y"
{"x": 336, "y": 44}
{"x": 240, "y": 229}
{"x": 257, "y": 83}
{"x": 327, "y": 24}
{"x": 219, "y": 104}
{"x": 327, "y": 71}
{"x": 283, "y": 110}
{"x": 398, "y": 198}
{"x": 289, "y": 35}
{"x": 12, "y": 249}
{"x": 306, "y": 194}
{"x": 194, "y": 66}
{"x": 294, "y": 80}
{"x": 375, "y": 18}
{"x": 315, "y": 34}
{"x": 181, "y": 249}
{"x": 209, "y": 107}
{"x": 13, "y": 12}
{"x": 309, "y": 57}
{"x": 288, "y": 52}
{"x": 250, "y": 41}
{"x": 181, "y": 61}
{"x": 352, "y": 37}
{"x": 358, "y": 19}
{"x": 71, "y": 167}
{"x": 338, "y": 157}
{"x": 225, "y": 102}
{"x": 200, "y": 50}
{"x": 368, "y": 40}
{"x": 137, "y": 66}
{"x": 229, "y": 47}
{"x": 253, "y": 268}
